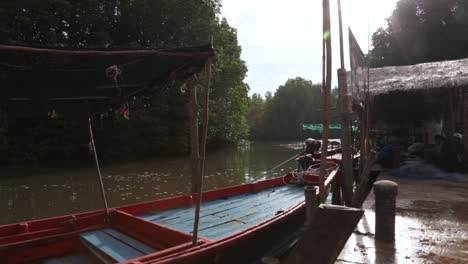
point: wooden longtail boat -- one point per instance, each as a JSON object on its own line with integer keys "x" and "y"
{"x": 237, "y": 223}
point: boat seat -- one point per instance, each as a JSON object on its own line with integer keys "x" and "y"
{"x": 110, "y": 245}
{"x": 79, "y": 258}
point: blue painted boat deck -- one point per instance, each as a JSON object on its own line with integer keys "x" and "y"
{"x": 116, "y": 245}
{"x": 225, "y": 217}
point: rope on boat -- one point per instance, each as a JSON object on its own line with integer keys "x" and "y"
{"x": 279, "y": 165}
{"x": 93, "y": 148}
{"x": 297, "y": 178}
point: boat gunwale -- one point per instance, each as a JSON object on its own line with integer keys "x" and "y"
{"x": 232, "y": 240}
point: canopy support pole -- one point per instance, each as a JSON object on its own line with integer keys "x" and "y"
{"x": 345, "y": 107}
{"x": 194, "y": 138}
{"x": 326, "y": 98}
{"x": 96, "y": 160}
{"x": 465, "y": 123}
{"x": 204, "y": 134}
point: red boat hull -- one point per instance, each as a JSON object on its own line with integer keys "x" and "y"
{"x": 41, "y": 239}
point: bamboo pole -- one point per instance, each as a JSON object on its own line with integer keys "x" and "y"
{"x": 194, "y": 138}
{"x": 96, "y": 160}
{"x": 204, "y": 133}
{"x": 465, "y": 123}
{"x": 362, "y": 132}
{"x": 347, "y": 179}
{"x": 326, "y": 98}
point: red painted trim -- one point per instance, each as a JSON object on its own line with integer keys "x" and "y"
{"x": 152, "y": 234}
{"x": 41, "y": 251}
{"x": 41, "y": 224}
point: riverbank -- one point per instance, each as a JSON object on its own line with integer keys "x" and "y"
{"x": 431, "y": 226}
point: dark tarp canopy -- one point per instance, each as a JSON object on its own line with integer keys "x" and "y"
{"x": 36, "y": 76}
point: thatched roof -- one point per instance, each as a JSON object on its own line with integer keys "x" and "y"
{"x": 442, "y": 74}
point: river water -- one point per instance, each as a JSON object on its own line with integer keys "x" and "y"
{"x": 53, "y": 192}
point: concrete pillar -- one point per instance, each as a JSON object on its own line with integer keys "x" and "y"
{"x": 385, "y": 209}
{"x": 311, "y": 201}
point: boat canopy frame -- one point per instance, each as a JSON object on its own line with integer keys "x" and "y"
{"x": 44, "y": 76}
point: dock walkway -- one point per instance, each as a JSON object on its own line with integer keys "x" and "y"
{"x": 431, "y": 226}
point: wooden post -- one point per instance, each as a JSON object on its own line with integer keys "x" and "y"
{"x": 337, "y": 188}
{"x": 326, "y": 236}
{"x": 345, "y": 109}
{"x": 204, "y": 133}
{"x": 362, "y": 135}
{"x": 326, "y": 98}
{"x": 311, "y": 203}
{"x": 465, "y": 123}
{"x": 194, "y": 139}
{"x": 364, "y": 186}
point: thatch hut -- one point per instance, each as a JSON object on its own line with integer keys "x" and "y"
{"x": 408, "y": 98}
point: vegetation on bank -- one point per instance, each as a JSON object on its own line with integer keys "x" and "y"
{"x": 418, "y": 31}
{"x": 158, "y": 122}
{"x": 422, "y": 31}
{"x": 280, "y": 116}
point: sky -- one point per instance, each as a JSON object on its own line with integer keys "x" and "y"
{"x": 281, "y": 39}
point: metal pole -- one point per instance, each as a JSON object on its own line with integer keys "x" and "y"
{"x": 103, "y": 192}
{"x": 326, "y": 98}
{"x": 204, "y": 134}
{"x": 345, "y": 109}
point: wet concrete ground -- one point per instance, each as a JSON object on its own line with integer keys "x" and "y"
{"x": 431, "y": 226}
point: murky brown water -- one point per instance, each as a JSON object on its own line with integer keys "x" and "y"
{"x": 55, "y": 192}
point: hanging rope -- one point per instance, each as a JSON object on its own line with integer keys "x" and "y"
{"x": 94, "y": 152}
{"x": 277, "y": 166}
{"x": 113, "y": 72}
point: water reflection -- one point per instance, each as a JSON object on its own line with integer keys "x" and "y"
{"x": 56, "y": 192}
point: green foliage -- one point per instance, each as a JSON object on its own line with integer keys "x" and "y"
{"x": 280, "y": 116}
{"x": 422, "y": 31}
{"x": 296, "y": 102}
{"x": 229, "y": 97}
{"x": 159, "y": 121}
{"x": 255, "y": 116}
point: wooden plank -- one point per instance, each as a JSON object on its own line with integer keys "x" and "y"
{"x": 229, "y": 200}
{"x": 110, "y": 246}
{"x": 223, "y": 230}
{"x": 222, "y": 207}
{"x": 264, "y": 214}
{"x": 172, "y": 213}
{"x": 243, "y": 198}
{"x": 230, "y": 212}
{"x": 187, "y": 226}
{"x": 249, "y": 219}
{"x": 235, "y": 213}
{"x": 70, "y": 259}
{"x": 326, "y": 236}
{"x": 130, "y": 241}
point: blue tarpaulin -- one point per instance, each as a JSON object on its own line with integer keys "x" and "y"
{"x": 425, "y": 171}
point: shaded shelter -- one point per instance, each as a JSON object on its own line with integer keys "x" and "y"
{"x": 406, "y": 99}
{"x": 59, "y": 78}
